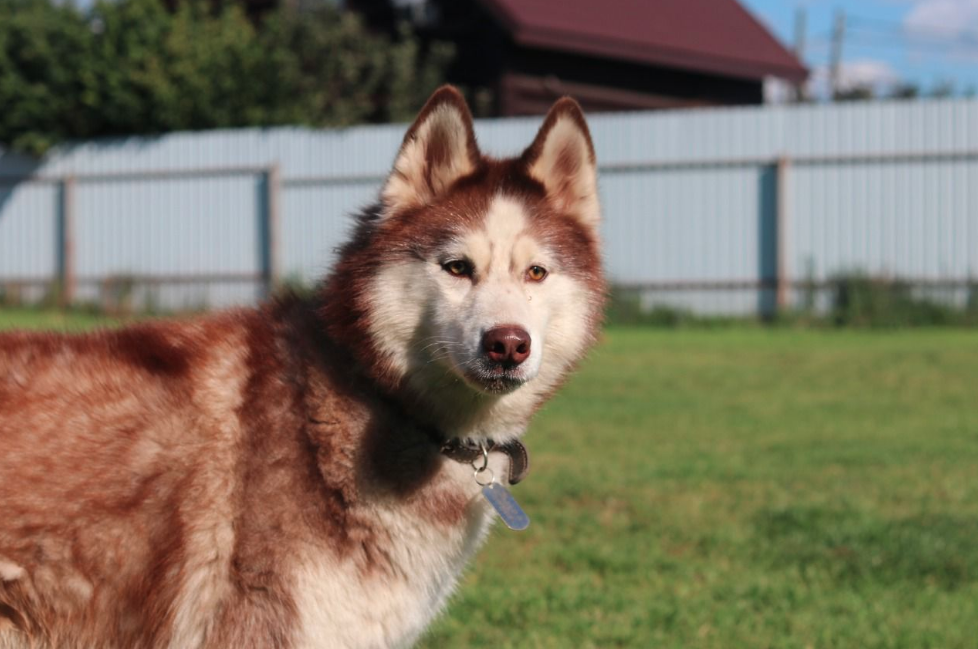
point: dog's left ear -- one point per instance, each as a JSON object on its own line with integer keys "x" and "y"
{"x": 562, "y": 159}
{"x": 438, "y": 149}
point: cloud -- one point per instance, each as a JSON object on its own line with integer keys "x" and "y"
{"x": 951, "y": 17}
{"x": 949, "y": 25}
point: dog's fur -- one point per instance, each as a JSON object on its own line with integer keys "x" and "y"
{"x": 268, "y": 478}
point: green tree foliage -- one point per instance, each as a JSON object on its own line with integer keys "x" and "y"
{"x": 133, "y": 67}
{"x": 46, "y": 73}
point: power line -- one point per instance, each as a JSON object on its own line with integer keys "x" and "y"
{"x": 922, "y": 34}
{"x": 911, "y": 40}
{"x": 857, "y": 39}
{"x": 895, "y": 25}
{"x": 929, "y": 48}
{"x": 855, "y": 34}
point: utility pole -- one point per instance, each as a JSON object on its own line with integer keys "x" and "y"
{"x": 801, "y": 20}
{"x": 835, "y": 62}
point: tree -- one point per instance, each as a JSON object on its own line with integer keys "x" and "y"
{"x": 855, "y": 93}
{"x": 134, "y": 67}
{"x": 332, "y": 71}
{"x": 905, "y": 90}
{"x": 942, "y": 89}
{"x": 48, "y": 83}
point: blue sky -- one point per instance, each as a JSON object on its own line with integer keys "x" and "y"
{"x": 921, "y": 41}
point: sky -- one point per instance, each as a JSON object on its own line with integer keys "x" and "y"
{"x": 886, "y": 42}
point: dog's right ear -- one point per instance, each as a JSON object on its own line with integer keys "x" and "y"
{"x": 562, "y": 159}
{"x": 438, "y": 149}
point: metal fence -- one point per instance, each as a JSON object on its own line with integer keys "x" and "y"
{"x": 720, "y": 211}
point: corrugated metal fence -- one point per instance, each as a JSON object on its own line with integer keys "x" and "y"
{"x": 720, "y": 211}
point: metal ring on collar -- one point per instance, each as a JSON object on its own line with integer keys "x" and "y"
{"x": 485, "y": 459}
{"x": 483, "y": 482}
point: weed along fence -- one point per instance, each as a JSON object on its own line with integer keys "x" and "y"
{"x": 732, "y": 211}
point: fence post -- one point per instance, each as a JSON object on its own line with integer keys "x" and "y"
{"x": 273, "y": 191}
{"x": 66, "y": 242}
{"x": 781, "y": 236}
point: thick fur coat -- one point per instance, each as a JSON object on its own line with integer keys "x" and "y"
{"x": 272, "y": 477}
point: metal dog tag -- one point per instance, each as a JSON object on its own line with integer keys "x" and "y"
{"x": 506, "y": 506}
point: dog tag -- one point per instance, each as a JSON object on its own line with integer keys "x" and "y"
{"x": 506, "y": 506}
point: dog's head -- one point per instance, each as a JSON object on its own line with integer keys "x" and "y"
{"x": 476, "y": 284}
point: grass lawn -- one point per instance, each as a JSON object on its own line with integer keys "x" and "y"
{"x": 13, "y": 318}
{"x": 740, "y": 488}
{"x": 744, "y": 488}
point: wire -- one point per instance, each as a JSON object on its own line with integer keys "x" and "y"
{"x": 918, "y": 38}
{"x": 895, "y": 25}
{"x": 944, "y": 46}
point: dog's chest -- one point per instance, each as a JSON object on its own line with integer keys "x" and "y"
{"x": 343, "y": 605}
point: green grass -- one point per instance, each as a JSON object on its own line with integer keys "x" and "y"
{"x": 27, "y": 318}
{"x": 742, "y": 488}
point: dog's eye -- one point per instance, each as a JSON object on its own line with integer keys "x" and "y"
{"x": 458, "y": 268}
{"x": 536, "y": 273}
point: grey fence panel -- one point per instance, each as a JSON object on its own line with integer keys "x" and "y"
{"x": 914, "y": 220}
{"x": 663, "y": 227}
{"x": 182, "y": 227}
{"x": 29, "y": 231}
{"x": 317, "y": 219}
{"x": 164, "y": 233}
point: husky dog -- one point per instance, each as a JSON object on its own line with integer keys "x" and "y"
{"x": 301, "y": 475}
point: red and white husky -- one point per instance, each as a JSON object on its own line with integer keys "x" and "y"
{"x": 293, "y": 476}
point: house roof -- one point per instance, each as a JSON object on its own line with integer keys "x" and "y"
{"x": 715, "y": 36}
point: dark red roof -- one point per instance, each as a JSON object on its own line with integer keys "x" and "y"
{"x": 717, "y": 36}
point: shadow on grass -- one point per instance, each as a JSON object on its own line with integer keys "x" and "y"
{"x": 854, "y": 547}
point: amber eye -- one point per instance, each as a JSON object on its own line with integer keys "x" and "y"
{"x": 536, "y": 273}
{"x": 458, "y": 268}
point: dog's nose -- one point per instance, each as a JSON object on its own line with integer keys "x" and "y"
{"x": 506, "y": 345}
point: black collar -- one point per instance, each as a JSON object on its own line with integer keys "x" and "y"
{"x": 467, "y": 452}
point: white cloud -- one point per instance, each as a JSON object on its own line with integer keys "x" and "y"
{"x": 950, "y": 25}
{"x": 951, "y": 17}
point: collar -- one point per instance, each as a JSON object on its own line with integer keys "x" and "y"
{"x": 467, "y": 452}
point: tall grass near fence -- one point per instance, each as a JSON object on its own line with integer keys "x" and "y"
{"x": 852, "y": 300}
{"x": 861, "y": 300}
